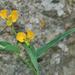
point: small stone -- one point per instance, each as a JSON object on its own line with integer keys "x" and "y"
{"x": 55, "y": 59}
{"x": 67, "y": 26}
{"x": 56, "y": 73}
{"x": 70, "y": 70}
{"x": 36, "y": 20}
{"x": 32, "y": 20}
{"x": 60, "y": 12}
{"x": 42, "y": 23}
{"x": 28, "y": 27}
{"x": 72, "y": 50}
{"x": 63, "y": 47}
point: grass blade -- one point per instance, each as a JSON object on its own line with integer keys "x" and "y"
{"x": 44, "y": 49}
{"x": 8, "y": 47}
{"x": 33, "y": 58}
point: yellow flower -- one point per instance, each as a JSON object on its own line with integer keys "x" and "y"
{"x": 3, "y": 13}
{"x": 30, "y": 35}
{"x": 13, "y": 16}
{"x": 21, "y": 36}
{"x": 9, "y": 18}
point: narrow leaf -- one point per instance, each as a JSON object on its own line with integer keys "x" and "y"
{"x": 8, "y": 47}
{"x": 33, "y": 58}
{"x": 44, "y": 49}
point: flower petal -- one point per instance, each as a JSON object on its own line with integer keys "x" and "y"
{"x": 30, "y": 35}
{"x": 14, "y": 15}
{"x": 21, "y": 36}
{"x": 4, "y": 13}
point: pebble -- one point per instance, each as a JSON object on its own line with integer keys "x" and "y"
{"x": 44, "y": 26}
{"x": 55, "y": 59}
{"x": 42, "y": 23}
{"x": 28, "y": 26}
{"x": 63, "y": 47}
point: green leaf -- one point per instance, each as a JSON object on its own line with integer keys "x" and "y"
{"x": 28, "y": 63}
{"x": 33, "y": 58}
{"x": 8, "y": 47}
{"x": 44, "y": 49}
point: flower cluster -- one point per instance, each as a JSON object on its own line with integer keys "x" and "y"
{"x": 25, "y": 37}
{"x": 9, "y": 17}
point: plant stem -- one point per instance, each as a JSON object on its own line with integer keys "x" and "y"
{"x": 13, "y": 30}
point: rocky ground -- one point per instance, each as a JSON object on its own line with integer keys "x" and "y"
{"x": 47, "y": 18}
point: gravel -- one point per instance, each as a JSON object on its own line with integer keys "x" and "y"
{"x": 47, "y": 18}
